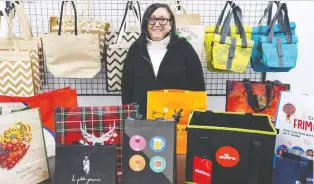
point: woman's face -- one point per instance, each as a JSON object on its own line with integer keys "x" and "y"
{"x": 159, "y": 24}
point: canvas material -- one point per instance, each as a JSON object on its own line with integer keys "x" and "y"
{"x": 65, "y": 60}
{"x": 237, "y": 97}
{"x": 32, "y": 165}
{"x": 16, "y": 74}
{"x": 98, "y": 120}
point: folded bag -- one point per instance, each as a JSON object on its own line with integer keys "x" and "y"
{"x": 277, "y": 53}
{"x": 231, "y": 54}
{"x": 72, "y": 55}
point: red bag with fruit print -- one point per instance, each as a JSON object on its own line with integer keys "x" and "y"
{"x": 254, "y": 97}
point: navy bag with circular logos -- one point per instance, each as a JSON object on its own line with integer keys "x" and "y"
{"x": 234, "y": 147}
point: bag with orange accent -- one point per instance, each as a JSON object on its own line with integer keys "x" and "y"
{"x": 169, "y": 104}
{"x": 230, "y": 144}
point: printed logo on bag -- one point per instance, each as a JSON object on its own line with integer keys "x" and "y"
{"x": 87, "y": 170}
{"x": 227, "y": 156}
{"x": 202, "y": 170}
{"x": 186, "y": 33}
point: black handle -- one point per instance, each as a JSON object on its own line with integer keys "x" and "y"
{"x": 251, "y": 98}
{"x": 255, "y": 162}
{"x": 61, "y": 16}
{"x": 287, "y": 29}
{"x": 219, "y": 21}
{"x": 238, "y": 23}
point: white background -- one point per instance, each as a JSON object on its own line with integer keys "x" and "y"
{"x": 301, "y": 78}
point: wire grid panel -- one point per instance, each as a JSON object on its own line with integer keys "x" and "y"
{"x": 39, "y": 13}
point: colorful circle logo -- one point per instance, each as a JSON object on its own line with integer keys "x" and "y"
{"x": 137, "y": 163}
{"x": 157, "y": 164}
{"x": 157, "y": 144}
{"x": 227, "y": 156}
{"x": 137, "y": 143}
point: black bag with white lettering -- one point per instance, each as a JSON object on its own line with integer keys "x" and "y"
{"x": 240, "y": 147}
{"x": 85, "y": 164}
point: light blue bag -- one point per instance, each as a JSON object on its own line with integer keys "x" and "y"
{"x": 279, "y": 31}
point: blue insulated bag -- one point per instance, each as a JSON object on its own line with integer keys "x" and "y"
{"x": 274, "y": 43}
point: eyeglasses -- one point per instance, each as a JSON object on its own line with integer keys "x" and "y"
{"x": 162, "y": 21}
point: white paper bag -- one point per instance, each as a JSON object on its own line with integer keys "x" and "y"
{"x": 295, "y": 121}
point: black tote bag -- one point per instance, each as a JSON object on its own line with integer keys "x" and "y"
{"x": 240, "y": 147}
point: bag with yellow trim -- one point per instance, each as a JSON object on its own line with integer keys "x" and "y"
{"x": 232, "y": 31}
{"x": 230, "y": 144}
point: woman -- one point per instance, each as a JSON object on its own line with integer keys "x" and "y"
{"x": 159, "y": 60}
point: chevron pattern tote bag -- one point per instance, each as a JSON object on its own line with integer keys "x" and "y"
{"x": 119, "y": 42}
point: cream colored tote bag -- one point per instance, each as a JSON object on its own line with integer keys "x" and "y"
{"x": 72, "y": 55}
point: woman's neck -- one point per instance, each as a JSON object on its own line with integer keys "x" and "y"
{"x": 158, "y": 44}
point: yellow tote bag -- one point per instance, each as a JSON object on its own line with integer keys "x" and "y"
{"x": 210, "y": 32}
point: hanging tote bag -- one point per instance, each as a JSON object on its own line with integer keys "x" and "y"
{"x": 149, "y": 152}
{"x": 72, "y": 56}
{"x": 86, "y": 25}
{"x": 26, "y": 43}
{"x": 119, "y": 42}
{"x": 183, "y": 17}
{"x": 16, "y": 74}
{"x": 93, "y": 126}
{"x": 210, "y": 31}
{"x": 230, "y": 147}
{"x": 231, "y": 54}
{"x": 254, "y": 97}
{"x": 194, "y": 34}
{"x": 277, "y": 52}
{"x": 261, "y": 30}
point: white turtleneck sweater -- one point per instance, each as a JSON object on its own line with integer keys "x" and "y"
{"x": 157, "y": 51}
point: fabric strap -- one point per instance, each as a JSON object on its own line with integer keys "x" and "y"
{"x": 279, "y": 52}
{"x": 231, "y": 53}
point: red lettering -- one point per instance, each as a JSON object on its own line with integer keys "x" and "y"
{"x": 303, "y": 125}
{"x": 309, "y": 125}
{"x": 295, "y": 123}
{"x": 300, "y": 124}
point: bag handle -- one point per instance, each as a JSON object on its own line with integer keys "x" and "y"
{"x": 61, "y": 16}
{"x": 226, "y": 26}
{"x": 6, "y": 18}
{"x": 255, "y": 162}
{"x": 179, "y": 5}
{"x": 136, "y": 11}
{"x": 287, "y": 28}
{"x": 268, "y": 11}
{"x": 219, "y": 21}
{"x": 251, "y": 98}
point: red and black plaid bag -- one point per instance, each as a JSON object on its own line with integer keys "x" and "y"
{"x": 93, "y": 125}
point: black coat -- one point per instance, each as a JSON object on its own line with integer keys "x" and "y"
{"x": 180, "y": 69}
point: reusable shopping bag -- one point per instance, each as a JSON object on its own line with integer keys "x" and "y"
{"x": 23, "y": 156}
{"x": 72, "y": 55}
{"x": 254, "y": 97}
{"x": 168, "y": 104}
{"x": 184, "y": 17}
{"x": 86, "y": 25}
{"x": 294, "y": 121}
{"x": 149, "y": 152}
{"x": 292, "y": 169}
{"x": 46, "y": 102}
{"x": 193, "y": 33}
{"x": 231, "y": 54}
{"x": 211, "y": 31}
{"x": 118, "y": 43}
{"x": 230, "y": 148}
{"x": 93, "y": 126}
{"x": 276, "y": 46}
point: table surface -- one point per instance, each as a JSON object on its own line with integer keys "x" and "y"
{"x": 180, "y": 170}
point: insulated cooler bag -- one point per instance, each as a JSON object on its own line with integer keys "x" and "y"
{"x": 238, "y": 148}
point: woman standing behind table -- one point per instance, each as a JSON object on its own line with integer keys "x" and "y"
{"x": 159, "y": 59}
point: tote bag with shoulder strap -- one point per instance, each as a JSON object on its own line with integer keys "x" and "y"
{"x": 72, "y": 55}
{"x": 118, "y": 44}
{"x": 27, "y": 43}
{"x": 86, "y": 25}
{"x": 16, "y": 74}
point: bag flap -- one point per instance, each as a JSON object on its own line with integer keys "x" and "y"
{"x": 255, "y": 30}
{"x": 211, "y": 29}
{"x": 283, "y": 39}
{"x": 250, "y": 43}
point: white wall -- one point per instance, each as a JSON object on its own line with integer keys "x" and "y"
{"x": 301, "y": 78}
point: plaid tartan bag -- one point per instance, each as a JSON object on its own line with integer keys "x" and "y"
{"x": 93, "y": 126}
